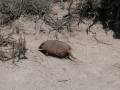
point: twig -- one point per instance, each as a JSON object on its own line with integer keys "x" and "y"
{"x": 99, "y": 41}
{"x": 66, "y": 80}
{"x": 94, "y": 22}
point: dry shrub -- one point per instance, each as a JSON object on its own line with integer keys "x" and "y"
{"x": 36, "y": 7}
{"x": 107, "y": 12}
{"x": 12, "y": 48}
{"x": 4, "y": 46}
{"x": 19, "y": 49}
{"x": 12, "y": 9}
{"x": 63, "y": 23}
{"x": 4, "y": 39}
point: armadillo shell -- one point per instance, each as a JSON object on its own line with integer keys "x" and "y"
{"x": 55, "y": 48}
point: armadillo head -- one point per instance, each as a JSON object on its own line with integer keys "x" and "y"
{"x": 41, "y": 47}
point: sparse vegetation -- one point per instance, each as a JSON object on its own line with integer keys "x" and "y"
{"x": 11, "y": 10}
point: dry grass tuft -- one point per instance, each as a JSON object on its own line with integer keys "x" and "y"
{"x": 12, "y": 47}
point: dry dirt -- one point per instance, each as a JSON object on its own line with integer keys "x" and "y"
{"x": 99, "y": 67}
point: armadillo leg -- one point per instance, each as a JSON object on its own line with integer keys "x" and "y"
{"x": 72, "y": 58}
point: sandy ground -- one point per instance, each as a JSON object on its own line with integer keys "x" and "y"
{"x": 99, "y": 67}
